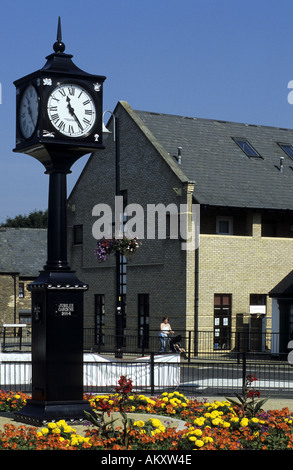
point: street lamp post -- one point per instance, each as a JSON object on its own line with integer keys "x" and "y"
{"x": 119, "y": 294}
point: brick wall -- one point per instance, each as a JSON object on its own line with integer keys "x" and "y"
{"x": 240, "y": 266}
{"x": 159, "y": 266}
{"x": 10, "y": 302}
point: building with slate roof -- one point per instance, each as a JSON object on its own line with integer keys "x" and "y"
{"x": 23, "y": 253}
{"x": 241, "y": 175}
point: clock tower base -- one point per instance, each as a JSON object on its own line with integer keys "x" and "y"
{"x": 57, "y": 349}
{"x": 38, "y": 413}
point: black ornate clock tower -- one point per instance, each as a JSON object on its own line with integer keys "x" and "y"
{"x": 58, "y": 120}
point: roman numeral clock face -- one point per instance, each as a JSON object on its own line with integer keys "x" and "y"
{"x": 71, "y": 110}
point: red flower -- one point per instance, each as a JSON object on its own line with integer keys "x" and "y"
{"x": 105, "y": 406}
{"x": 251, "y": 378}
{"x": 125, "y": 385}
{"x": 253, "y": 393}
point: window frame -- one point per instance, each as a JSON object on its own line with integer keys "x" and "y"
{"x": 223, "y": 218}
{"x": 222, "y": 322}
{"x": 253, "y": 153}
{"x": 286, "y": 146}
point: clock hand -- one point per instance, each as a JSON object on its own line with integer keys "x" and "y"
{"x": 30, "y": 112}
{"x": 71, "y": 111}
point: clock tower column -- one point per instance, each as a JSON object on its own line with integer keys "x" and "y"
{"x": 59, "y": 119}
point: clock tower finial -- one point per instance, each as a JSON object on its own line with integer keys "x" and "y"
{"x": 59, "y": 46}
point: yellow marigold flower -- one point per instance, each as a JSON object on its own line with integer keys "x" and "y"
{"x": 155, "y": 422}
{"x": 44, "y": 431}
{"x": 52, "y": 425}
{"x": 61, "y": 422}
{"x": 199, "y": 421}
{"x": 216, "y": 421}
{"x": 139, "y": 423}
{"x": 197, "y": 432}
{"x": 56, "y": 430}
{"x": 244, "y": 422}
{"x": 67, "y": 429}
{"x": 161, "y": 428}
{"x": 155, "y": 432}
{"x": 192, "y": 438}
{"x": 255, "y": 420}
{"x": 235, "y": 419}
{"x": 199, "y": 443}
{"x": 226, "y": 424}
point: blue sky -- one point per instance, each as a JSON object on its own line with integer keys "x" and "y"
{"x": 224, "y": 59}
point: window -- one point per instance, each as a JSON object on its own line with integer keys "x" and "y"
{"x": 288, "y": 149}
{"x": 268, "y": 228}
{"x": 100, "y": 318}
{"x": 21, "y": 290}
{"x": 143, "y": 320}
{"x": 258, "y": 303}
{"x": 246, "y": 147}
{"x": 78, "y": 234}
{"x": 224, "y": 225}
{"x": 222, "y": 320}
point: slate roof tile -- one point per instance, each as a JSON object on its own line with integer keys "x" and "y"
{"x": 23, "y": 250}
{"x": 223, "y": 174}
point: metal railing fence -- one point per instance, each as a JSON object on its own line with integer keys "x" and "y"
{"x": 197, "y": 378}
{"x": 200, "y": 344}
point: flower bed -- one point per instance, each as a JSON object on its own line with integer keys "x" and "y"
{"x": 220, "y": 425}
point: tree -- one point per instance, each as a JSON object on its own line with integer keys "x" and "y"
{"x": 36, "y": 219}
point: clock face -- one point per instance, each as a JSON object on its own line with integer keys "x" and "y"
{"x": 28, "y": 111}
{"x": 71, "y": 110}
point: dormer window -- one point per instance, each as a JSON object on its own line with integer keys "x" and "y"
{"x": 288, "y": 149}
{"x": 247, "y": 148}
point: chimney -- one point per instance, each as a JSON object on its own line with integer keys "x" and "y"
{"x": 179, "y": 155}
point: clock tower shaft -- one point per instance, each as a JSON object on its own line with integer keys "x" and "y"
{"x": 57, "y": 293}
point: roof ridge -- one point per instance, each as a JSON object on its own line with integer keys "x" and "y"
{"x": 223, "y": 121}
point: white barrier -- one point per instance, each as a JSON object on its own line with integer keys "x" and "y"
{"x": 16, "y": 369}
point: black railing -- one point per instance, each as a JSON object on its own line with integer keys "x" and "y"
{"x": 197, "y": 378}
{"x": 201, "y": 344}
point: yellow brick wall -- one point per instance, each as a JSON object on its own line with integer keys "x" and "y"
{"x": 240, "y": 266}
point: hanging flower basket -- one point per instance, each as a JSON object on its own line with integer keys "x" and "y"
{"x": 126, "y": 246}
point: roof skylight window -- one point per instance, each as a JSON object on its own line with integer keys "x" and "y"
{"x": 246, "y": 147}
{"x": 288, "y": 149}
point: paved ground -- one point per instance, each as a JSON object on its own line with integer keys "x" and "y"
{"x": 271, "y": 404}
